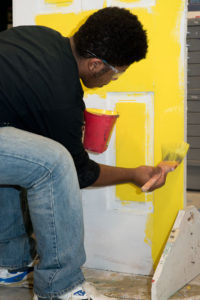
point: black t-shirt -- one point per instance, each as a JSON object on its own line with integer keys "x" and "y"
{"x": 40, "y": 91}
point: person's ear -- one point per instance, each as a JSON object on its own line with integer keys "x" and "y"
{"x": 95, "y": 65}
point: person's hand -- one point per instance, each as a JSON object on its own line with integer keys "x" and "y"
{"x": 155, "y": 176}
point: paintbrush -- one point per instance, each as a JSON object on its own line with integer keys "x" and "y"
{"x": 172, "y": 156}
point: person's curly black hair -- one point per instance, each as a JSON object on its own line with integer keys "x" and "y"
{"x": 113, "y": 34}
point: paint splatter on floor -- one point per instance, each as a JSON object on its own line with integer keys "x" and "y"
{"x": 124, "y": 286}
{"x": 121, "y": 286}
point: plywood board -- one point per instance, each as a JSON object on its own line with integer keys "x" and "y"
{"x": 180, "y": 261}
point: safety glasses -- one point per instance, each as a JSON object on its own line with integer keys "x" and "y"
{"x": 116, "y": 71}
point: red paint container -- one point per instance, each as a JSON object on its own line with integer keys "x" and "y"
{"x": 99, "y": 124}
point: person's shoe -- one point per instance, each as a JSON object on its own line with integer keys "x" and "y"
{"x": 17, "y": 278}
{"x": 84, "y": 292}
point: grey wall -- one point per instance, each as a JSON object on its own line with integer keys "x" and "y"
{"x": 193, "y": 41}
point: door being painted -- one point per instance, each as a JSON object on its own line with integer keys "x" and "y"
{"x": 126, "y": 230}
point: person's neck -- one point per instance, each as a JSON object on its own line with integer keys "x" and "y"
{"x": 76, "y": 56}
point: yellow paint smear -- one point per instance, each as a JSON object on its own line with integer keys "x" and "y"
{"x": 130, "y": 1}
{"x": 59, "y": 2}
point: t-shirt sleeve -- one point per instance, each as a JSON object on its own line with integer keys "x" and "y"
{"x": 88, "y": 170}
{"x": 66, "y": 127}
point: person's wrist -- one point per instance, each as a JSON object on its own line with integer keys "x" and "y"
{"x": 134, "y": 175}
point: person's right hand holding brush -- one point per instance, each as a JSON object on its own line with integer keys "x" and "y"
{"x": 172, "y": 156}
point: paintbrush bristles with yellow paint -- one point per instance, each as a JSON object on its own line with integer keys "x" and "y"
{"x": 172, "y": 156}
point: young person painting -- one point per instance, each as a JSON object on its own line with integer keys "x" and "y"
{"x": 41, "y": 151}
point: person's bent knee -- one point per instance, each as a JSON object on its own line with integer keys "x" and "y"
{"x": 33, "y": 147}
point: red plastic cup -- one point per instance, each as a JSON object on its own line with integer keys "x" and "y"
{"x": 99, "y": 124}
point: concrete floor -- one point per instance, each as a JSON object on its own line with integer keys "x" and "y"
{"x": 120, "y": 286}
{"x": 193, "y": 198}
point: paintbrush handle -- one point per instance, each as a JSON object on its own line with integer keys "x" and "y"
{"x": 167, "y": 166}
{"x": 150, "y": 183}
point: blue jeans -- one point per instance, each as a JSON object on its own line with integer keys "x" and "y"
{"x": 44, "y": 170}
